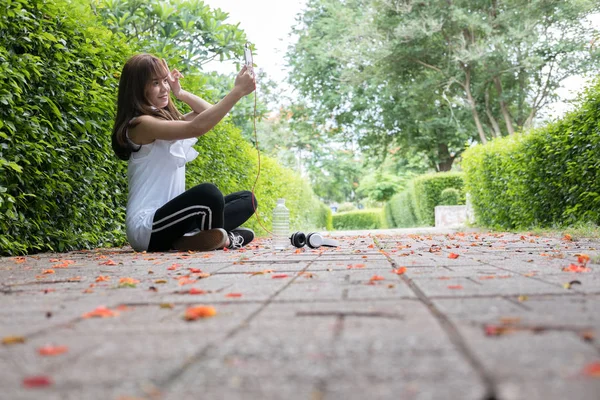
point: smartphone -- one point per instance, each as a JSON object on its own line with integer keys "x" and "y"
{"x": 248, "y": 55}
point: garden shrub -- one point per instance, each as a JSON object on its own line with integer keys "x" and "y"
{"x": 427, "y": 190}
{"x": 231, "y": 163}
{"x": 360, "y": 219}
{"x": 449, "y": 197}
{"x": 545, "y": 177}
{"x": 401, "y": 210}
{"x": 60, "y": 186}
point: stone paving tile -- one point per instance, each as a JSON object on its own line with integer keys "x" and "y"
{"x": 318, "y": 326}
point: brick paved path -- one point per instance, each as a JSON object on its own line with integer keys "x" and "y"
{"x": 496, "y": 322}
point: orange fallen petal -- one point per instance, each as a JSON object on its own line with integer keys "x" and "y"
{"x": 377, "y": 278}
{"x": 186, "y": 281}
{"x": 52, "y": 350}
{"x": 233, "y": 295}
{"x": 108, "y": 262}
{"x": 583, "y": 259}
{"x": 100, "y": 312}
{"x": 37, "y": 381}
{"x": 455, "y": 287}
{"x": 102, "y": 278}
{"x": 174, "y": 267}
{"x": 567, "y": 237}
{"x": 195, "y": 270}
{"x": 399, "y": 271}
{"x": 19, "y": 260}
{"x": 592, "y": 370}
{"x": 196, "y": 312}
{"x": 576, "y": 268}
{"x": 453, "y": 255}
{"x": 279, "y": 276}
{"x": 128, "y": 282}
{"x": 196, "y": 291}
{"x": 47, "y": 271}
{"x": 63, "y": 263}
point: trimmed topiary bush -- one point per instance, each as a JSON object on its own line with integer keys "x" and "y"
{"x": 449, "y": 197}
{"x": 427, "y": 190}
{"x": 360, "y": 219}
{"x": 545, "y": 177}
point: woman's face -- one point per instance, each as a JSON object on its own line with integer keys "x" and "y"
{"x": 157, "y": 92}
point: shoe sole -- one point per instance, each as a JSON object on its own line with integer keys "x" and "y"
{"x": 208, "y": 240}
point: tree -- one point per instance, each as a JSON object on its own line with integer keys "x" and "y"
{"x": 188, "y": 34}
{"x": 433, "y": 75}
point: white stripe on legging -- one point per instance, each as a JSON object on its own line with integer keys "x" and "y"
{"x": 204, "y": 213}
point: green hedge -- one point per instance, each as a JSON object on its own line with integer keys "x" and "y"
{"x": 400, "y": 210}
{"x": 58, "y": 188}
{"x": 232, "y": 164}
{"x": 360, "y": 219}
{"x": 546, "y": 177}
{"x": 427, "y": 190}
{"x": 61, "y": 187}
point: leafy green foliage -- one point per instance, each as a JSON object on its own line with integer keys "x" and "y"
{"x": 429, "y": 77}
{"x": 379, "y": 186}
{"x": 400, "y": 210}
{"x": 360, "y": 219}
{"x": 545, "y": 177}
{"x": 427, "y": 190}
{"x": 449, "y": 197}
{"x": 232, "y": 164}
{"x": 188, "y": 33}
{"x": 60, "y": 187}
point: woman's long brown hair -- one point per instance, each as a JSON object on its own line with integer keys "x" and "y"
{"x": 132, "y": 102}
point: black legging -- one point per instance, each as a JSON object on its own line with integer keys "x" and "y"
{"x": 201, "y": 207}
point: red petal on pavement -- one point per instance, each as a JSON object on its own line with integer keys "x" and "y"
{"x": 108, "y": 262}
{"x": 279, "y": 276}
{"x": 353, "y": 266}
{"x": 399, "y": 271}
{"x": 196, "y": 291}
{"x": 576, "y": 268}
{"x": 52, "y": 350}
{"x": 233, "y": 295}
{"x": 375, "y": 278}
{"x": 37, "y": 381}
{"x": 455, "y": 287}
{"x": 453, "y": 255}
{"x": 583, "y": 259}
{"x": 592, "y": 370}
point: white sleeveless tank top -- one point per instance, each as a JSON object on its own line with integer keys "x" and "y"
{"x": 156, "y": 174}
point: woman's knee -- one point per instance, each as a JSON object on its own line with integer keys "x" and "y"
{"x": 209, "y": 192}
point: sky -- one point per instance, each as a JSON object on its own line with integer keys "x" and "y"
{"x": 267, "y": 24}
